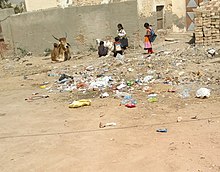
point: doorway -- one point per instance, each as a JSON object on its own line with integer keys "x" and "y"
{"x": 160, "y": 19}
{"x": 1, "y": 34}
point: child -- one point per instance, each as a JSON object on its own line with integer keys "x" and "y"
{"x": 117, "y": 47}
{"x": 147, "y": 39}
{"x": 102, "y": 50}
{"x": 122, "y": 36}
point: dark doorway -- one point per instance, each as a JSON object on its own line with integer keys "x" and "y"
{"x": 1, "y": 34}
{"x": 160, "y": 18}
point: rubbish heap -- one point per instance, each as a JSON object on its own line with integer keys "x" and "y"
{"x": 165, "y": 72}
{"x": 207, "y": 23}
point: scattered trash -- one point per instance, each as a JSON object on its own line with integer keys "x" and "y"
{"x": 203, "y": 93}
{"x": 119, "y": 56}
{"x": 81, "y": 85}
{"x": 148, "y": 78}
{"x": 36, "y": 97}
{"x": 45, "y": 83}
{"x": 90, "y": 68}
{"x": 211, "y": 51}
{"x": 43, "y": 86}
{"x": 130, "y": 83}
{"x": 64, "y": 77}
{"x": 194, "y": 117}
{"x": 102, "y": 82}
{"x": 121, "y": 94}
{"x": 104, "y": 95}
{"x": 164, "y": 130}
{"x": 210, "y": 121}
{"x": 130, "y": 70}
{"x": 134, "y": 75}
{"x": 35, "y": 93}
{"x": 29, "y": 53}
{"x": 171, "y": 90}
{"x": 80, "y": 103}
{"x": 111, "y": 124}
{"x": 152, "y": 95}
{"x": 185, "y": 93}
{"x": 152, "y": 98}
{"x": 122, "y": 85}
{"x": 179, "y": 119}
{"x": 52, "y": 74}
{"x": 130, "y": 105}
{"x": 128, "y": 100}
{"x": 29, "y": 64}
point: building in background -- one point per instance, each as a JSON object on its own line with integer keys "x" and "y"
{"x": 33, "y": 5}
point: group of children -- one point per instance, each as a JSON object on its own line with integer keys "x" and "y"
{"x": 121, "y": 41}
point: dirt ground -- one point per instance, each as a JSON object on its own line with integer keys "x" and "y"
{"x": 46, "y": 135}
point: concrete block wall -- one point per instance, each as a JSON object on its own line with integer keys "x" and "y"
{"x": 83, "y": 25}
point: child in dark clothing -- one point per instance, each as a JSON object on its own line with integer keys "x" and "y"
{"x": 117, "y": 47}
{"x": 102, "y": 50}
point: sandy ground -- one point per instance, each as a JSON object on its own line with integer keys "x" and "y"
{"x": 46, "y": 135}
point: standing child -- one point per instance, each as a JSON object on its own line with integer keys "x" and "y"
{"x": 122, "y": 36}
{"x": 147, "y": 39}
{"x": 117, "y": 47}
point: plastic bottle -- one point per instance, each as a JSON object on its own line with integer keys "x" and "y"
{"x": 164, "y": 130}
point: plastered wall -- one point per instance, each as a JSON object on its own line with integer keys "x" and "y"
{"x": 33, "y": 31}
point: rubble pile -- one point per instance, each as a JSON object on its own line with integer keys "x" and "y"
{"x": 207, "y": 23}
{"x": 136, "y": 73}
{"x": 175, "y": 70}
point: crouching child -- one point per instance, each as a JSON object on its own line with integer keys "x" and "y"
{"x": 117, "y": 47}
{"x": 102, "y": 50}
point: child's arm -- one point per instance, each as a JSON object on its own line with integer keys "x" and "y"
{"x": 148, "y": 32}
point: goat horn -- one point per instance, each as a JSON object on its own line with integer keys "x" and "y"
{"x": 55, "y": 38}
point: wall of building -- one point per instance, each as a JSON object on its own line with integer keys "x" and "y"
{"x": 174, "y": 10}
{"x": 33, "y": 5}
{"x": 146, "y": 8}
{"x": 147, "y": 12}
{"x": 5, "y": 14}
{"x": 179, "y": 15}
{"x": 82, "y": 24}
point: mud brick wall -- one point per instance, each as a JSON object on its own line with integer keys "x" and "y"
{"x": 207, "y": 23}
